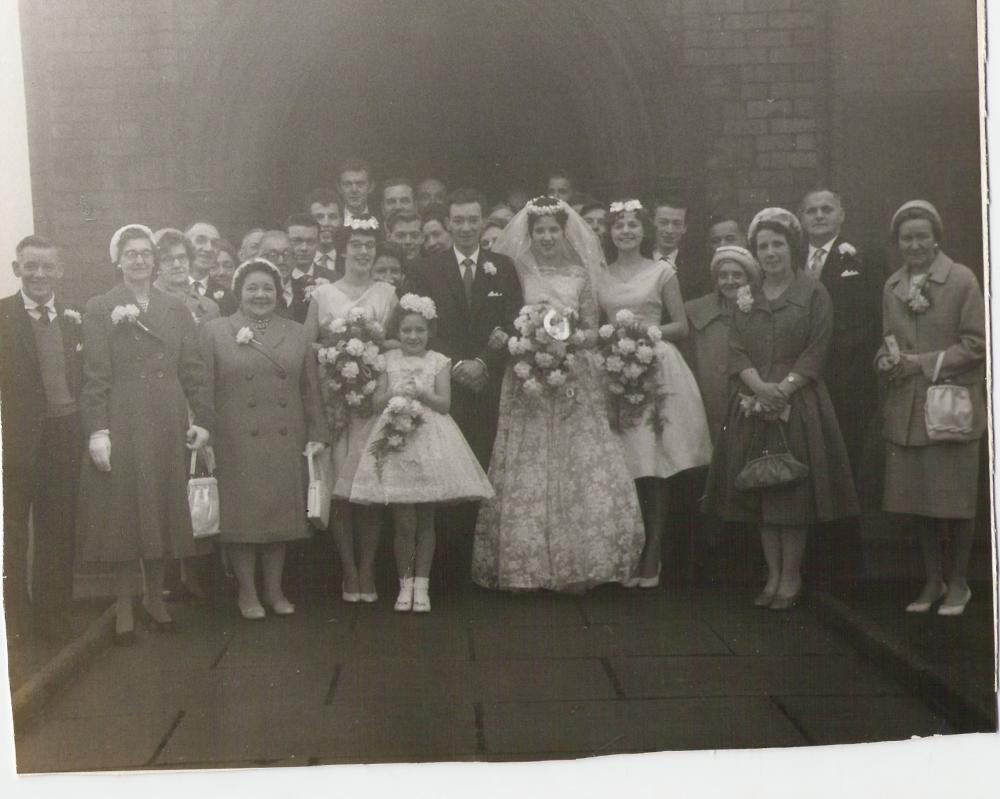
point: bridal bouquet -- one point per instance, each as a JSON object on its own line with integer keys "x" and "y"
{"x": 545, "y": 350}
{"x": 350, "y": 362}
{"x": 627, "y": 354}
{"x": 402, "y": 416}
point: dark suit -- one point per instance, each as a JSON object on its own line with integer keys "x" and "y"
{"x": 462, "y": 334}
{"x": 221, "y": 295}
{"x": 850, "y": 380}
{"x": 300, "y": 299}
{"x": 41, "y": 466}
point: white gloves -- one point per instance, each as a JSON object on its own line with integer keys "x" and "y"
{"x": 100, "y": 450}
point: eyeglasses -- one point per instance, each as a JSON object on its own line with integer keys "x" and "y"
{"x": 277, "y": 255}
{"x": 361, "y": 245}
{"x": 134, "y": 256}
{"x": 170, "y": 260}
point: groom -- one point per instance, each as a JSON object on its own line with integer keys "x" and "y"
{"x": 475, "y": 292}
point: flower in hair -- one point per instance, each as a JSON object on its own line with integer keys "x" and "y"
{"x": 368, "y": 224}
{"x": 544, "y": 206}
{"x": 625, "y": 205}
{"x": 419, "y": 305}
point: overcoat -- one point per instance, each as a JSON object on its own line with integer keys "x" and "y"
{"x": 954, "y": 322}
{"x": 707, "y": 348}
{"x": 139, "y": 379}
{"x": 267, "y": 406}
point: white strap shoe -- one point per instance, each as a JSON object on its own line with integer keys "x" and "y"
{"x": 421, "y": 600}
{"x": 404, "y": 601}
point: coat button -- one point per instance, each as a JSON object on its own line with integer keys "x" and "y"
{"x": 159, "y": 355}
{"x": 142, "y": 375}
{"x": 252, "y": 403}
{"x": 283, "y": 402}
{"x": 283, "y": 431}
{"x": 254, "y": 433}
{"x": 249, "y": 375}
{"x": 160, "y": 374}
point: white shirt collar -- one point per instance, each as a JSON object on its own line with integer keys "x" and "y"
{"x": 827, "y": 247}
{"x": 460, "y": 257}
{"x": 31, "y": 305}
{"x": 670, "y": 257}
{"x": 298, "y": 273}
{"x": 320, "y": 259}
{"x": 349, "y": 216}
{"x": 202, "y": 282}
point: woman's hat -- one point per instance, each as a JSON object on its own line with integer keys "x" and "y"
{"x": 251, "y": 262}
{"x": 113, "y": 248}
{"x": 740, "y": 255}
{"x": 922, "y": 205}
{"x": 786, "y": 219}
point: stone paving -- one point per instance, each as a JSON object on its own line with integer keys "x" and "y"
{"x": 485, "y": 676}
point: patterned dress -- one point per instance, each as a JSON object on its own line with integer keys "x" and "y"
{"x": 436, "y": 464}
{"x": 350, "y": 443}
{"x": 684, "y": 442}
{"x": 565, "y": 515}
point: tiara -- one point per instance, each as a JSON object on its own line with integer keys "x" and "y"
{"x": 368, "y": 223}
{"x": 544, "y": 206}
{"x": 625, "y": 205}
{"x": 419, "y": 305}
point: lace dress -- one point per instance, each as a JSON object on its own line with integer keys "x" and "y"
{"x": 685, "y": 441}
{"x": 565, "y": 515}
{"x": 349, "y": 443}
{"x": 435, "y": 465}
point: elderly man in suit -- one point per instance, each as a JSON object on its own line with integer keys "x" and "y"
{"x": 40, "y": 378}
{"x": 854, "y": 292}
{"x": 475, "y": 292}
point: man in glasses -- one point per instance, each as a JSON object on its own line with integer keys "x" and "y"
{"x": 276, "y": 247}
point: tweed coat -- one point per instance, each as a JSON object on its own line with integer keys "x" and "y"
{"x": 267, "y": 406}
{"x": 955, "y": 322}
{"x": 138, "y": 384}
{"x": 707, "y": 347}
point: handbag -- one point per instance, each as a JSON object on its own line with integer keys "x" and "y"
{"x": 203, "y": 499}
{"x": 948, "y": 413}
{"x": 318, "y": 497}
{"x": 771, "y": 469}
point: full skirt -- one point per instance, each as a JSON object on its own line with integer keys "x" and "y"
{"x": 940, "y": 481}
{"x": 565, "y": 515}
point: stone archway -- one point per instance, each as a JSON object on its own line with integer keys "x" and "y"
{"x": 458, "y": 88}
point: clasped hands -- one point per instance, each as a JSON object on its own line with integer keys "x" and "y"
{"x": 100, "y": 447}
{"x": 471, "y": 374}
{"x": 894, "y": 368}
{"x": 771, "y": 397}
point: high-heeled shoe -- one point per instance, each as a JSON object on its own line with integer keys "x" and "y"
{"x": 956, "y": 610}
{"x": 168, "y": 626}
{"x": 281, "y": 607}
{"x": 920, "y": 605}
{"x": 404, "y": 602}
{"x": 785, "y": 602}
{"x": 421, "y": 599}
{"x": 764, "y": 599}
{"x": 651, "y": 582}
{"x": 630, "y": 582}
{"x": 253, "y": 612}
{"x": 369, "y": 598}
{"x": 349, "y": 596}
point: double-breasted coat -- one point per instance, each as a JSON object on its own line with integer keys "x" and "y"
{"x": 789, "y": 334}
{"x": 924, "y": 478}
{"x": 139, "y": 379}
{"x": 267, "y": 406}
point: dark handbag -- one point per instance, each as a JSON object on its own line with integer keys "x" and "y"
{"x": 771, "y": 469}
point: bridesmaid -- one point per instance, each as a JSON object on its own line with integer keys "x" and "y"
{"x": 649, "y": 289}
{"x": 356, "y": 527}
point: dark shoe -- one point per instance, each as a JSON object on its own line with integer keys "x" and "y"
{"x": 156, "y": 626}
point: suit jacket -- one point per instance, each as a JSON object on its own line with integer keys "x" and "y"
{"x": 954, "y": 323}
{"x": 221, "y": 295}
{"x": 301, "y": 295}
{"x": 463, "y": 332}
{"x": 22, "y": 394}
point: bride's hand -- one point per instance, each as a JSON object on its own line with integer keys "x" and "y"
{"x": 498, "y": 339}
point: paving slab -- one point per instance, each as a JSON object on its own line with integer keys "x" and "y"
{"x": 818, "y": 675}
{"x": 404, "y": 680}
{"x": 534, "y": 609}
{"x": 528, "y": 680}
{"x": 636, "y": 726}
{"x": 843, "y": 720}
{"x": 616, "y": 605}
{"x": 791, "y": 633}
{"x": 94, "y": 743}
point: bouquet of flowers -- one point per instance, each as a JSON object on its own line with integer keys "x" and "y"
{"x": 401, "y": 417}
{"x": 627, "y": 353}
{"x": 545, "y": 350}
{"x": 350, "y": 362}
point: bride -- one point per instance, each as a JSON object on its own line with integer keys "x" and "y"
{"x": 565, "y": 516}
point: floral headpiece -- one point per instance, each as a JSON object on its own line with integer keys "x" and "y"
{"x": 113, "y": 248}
{"x": 257, "y": 260}
{"x": 544, "y": 206}
{"x": 622, "y": 206}
{"x": 364, "y": 224}
{"x": 419, "y": 305}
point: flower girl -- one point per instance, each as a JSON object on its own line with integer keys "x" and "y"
{"x": 416, "y": 456}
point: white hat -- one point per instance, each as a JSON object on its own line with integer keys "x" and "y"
{"x": 113, "y": 248}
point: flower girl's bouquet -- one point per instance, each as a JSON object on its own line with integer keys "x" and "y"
{"x": 627, "y": 354}
{"x": 350, "y": 362}
{"x": 400, "y": 419}
{"x": 545, "y": 350}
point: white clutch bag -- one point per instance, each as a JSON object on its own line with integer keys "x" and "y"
{"x": 203, "y": 499}
{"x": 318, "y": 496}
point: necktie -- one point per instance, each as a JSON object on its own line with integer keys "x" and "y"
{"x": 43, "y": 314}
{"x": 467, "y": 278}
{"x": 816, "y": 265}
